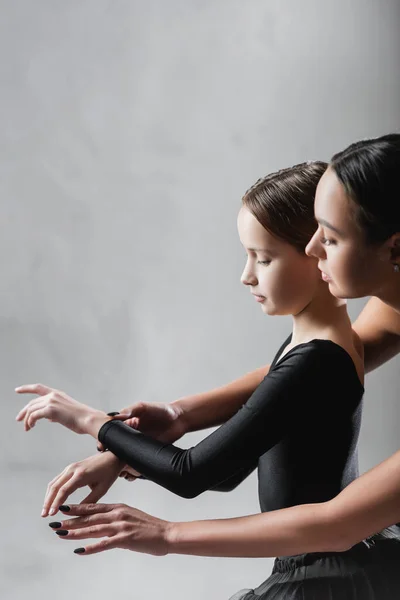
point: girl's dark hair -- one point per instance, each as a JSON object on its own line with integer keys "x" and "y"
{"x": 283, "y": 202}
{"x": 370, "y": 173}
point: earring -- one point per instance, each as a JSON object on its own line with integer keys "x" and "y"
{"x": 396, "y": 268}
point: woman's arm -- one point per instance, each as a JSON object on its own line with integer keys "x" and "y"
{"x": 378, "y": 326}
{"x": 366, "y": 506}
{"x": 213, "y": 408}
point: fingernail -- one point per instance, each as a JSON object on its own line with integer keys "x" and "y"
{"x": 52, "y": 511}
{"x": 79, "y": 551}
{"x": 64, "y": 508}
{"x": 112, "y": 414}
{"x": 61, "y": 532}
{"x": 55, "y": 525}
{"x": 42, "y": 514}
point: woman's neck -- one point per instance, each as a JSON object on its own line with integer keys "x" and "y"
{"x": 390, "y": 294}
{"x": 324, "y": 313}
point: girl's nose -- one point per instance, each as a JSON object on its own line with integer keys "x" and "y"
{"x": 248, "y": 278}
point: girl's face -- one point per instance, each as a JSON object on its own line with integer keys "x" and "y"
{"x": 282, "y": 279}
{"x": 352, "y": 268}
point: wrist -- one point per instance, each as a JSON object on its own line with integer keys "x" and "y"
{"x": 94, "y": 421}
{"x": 181, "y": 414}
{"x": 170, "y": 536}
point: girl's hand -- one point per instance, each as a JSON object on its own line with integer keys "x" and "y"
{"x": 122, "y": 527}
{"x": 58, "y": 407}
{"x": 98, "y": 472}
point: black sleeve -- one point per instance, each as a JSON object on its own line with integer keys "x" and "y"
{"x": 231, "y": 449}
{"x": 233, "y": 482}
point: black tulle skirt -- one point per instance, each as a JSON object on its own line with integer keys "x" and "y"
{"x": 368, "y": 571}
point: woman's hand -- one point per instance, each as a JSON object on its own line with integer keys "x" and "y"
{"x": 98, "y": 472}
{"x": 122, "y": 527}
{"x": 58, "y": 407}
{"x": 161, "y": 421}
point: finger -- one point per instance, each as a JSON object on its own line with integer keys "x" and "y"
{"x": 52, "y": 490}
{"x": 67, "y": 488}
{"x": 121, "y": 417}
{"x": 107, "y": 544}
{"x": 132, "y": 411}
{"x": 22, "y": 413}
{"x": 40, "y": 412}
{"x": 92, "y": 531}
{"x": 134, "y": 422}
{"x": 35, "y": 388}
{"x": 95, "y": 495}
{"x": 89, "y": 521}
{"x": 77, "y": 510}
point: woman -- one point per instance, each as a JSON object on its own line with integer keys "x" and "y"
{"x": 304, "y": 444}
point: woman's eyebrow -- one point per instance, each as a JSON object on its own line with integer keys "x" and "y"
{"x": 329, "y": 226}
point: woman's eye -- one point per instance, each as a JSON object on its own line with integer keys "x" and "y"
{"x": 327, "y": 242}
{"x": 263, "y": 262}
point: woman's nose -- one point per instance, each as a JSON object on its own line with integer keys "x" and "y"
{"x": 314, "y": 247}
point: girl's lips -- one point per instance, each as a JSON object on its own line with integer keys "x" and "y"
{"x": 258, "y": 298}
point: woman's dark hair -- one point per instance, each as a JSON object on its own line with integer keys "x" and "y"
{"x": 283, "y": 202}
{"x": 370, "y": 173}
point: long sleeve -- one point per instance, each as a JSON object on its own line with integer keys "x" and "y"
{"x": 233, "y": 447}
{"x": 235, "y": 480}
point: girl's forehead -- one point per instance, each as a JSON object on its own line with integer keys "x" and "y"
{"x": 254, "y": 236}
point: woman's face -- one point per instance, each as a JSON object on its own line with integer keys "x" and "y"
{"x": 352, "y": 268}
{"x": 282, "y": 279}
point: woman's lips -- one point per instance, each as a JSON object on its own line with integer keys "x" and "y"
{"x": 325, "y": 277}
{"x": 258, "y": 298}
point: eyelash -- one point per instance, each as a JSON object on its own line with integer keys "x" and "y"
{"x": 327, "y": 242}
{"x": 263, "y": 262}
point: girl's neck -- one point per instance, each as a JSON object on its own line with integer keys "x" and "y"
{"x": 323, "y": 314}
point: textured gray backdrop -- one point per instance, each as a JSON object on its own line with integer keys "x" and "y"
{"x": 129, "y": 131}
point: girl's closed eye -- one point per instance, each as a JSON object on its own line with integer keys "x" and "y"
{"x": 263, "y": 262}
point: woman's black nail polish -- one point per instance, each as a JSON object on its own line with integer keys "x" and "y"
{"x": 64, "y": 508}
{"x": 112, "y": 414}
{"x": 61, "y": 532}
{"x": 55, "y": 525}
{"x": 79, "y": 550}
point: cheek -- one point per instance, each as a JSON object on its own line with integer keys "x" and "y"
{"x": 297, "y": 283}
{"x": 346, "y": 263}
{"x": 351, "y": 273}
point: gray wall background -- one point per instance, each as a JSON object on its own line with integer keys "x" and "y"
{"x": 130, "y": 130}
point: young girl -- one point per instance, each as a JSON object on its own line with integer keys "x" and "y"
{"x": 300, "y": 425}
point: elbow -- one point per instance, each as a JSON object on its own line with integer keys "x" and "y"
{"x": 188, "y": 490}
{"x": 337, "y": 533}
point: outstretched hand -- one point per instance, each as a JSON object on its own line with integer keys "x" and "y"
{"x": 122, "y": 527}
{"x": 56, "y": 406}
{"x": 97, "y": 472}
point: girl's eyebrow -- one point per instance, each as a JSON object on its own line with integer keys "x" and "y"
{"x": 259, "y": 250}
{"x": 329, "y": 226}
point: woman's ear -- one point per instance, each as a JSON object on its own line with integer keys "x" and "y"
{"x": 394, "y": 245}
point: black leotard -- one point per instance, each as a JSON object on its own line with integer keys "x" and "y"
{"x": 300, "y": 425}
